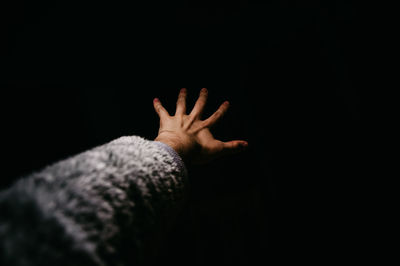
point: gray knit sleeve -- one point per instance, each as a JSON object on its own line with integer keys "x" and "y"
{"x": 106, "y": 206}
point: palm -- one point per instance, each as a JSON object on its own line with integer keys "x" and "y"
{"x": 210, "y": 147}
{"x": 190, "y": 135}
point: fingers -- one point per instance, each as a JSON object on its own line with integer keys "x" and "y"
{"x": 161, "y": 111}
{"x": 217, "y": 115}
{"x": 235, "y": 146}
{"x": 200, "y": 103}
{"x": 181, "y": 103}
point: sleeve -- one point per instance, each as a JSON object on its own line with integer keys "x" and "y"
{"x": 106, "y": 206}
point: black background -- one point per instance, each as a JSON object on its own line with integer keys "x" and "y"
{"x": 79, "y": 74}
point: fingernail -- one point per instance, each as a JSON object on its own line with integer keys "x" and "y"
{"x": 156, "y": 100}
{"x": 183, "y": 90}
{"x": 204, "y": 90}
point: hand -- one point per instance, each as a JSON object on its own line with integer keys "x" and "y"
{"x": 190, "y": 136}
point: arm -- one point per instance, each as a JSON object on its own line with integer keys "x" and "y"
{"x": 108, "y": 205}
{"x": 105, "y": 206}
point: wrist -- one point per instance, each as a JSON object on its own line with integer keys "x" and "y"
{"x": 172, "y": 143}
{"x": 183, "y": 144}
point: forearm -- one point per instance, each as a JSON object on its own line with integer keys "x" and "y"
{"x": 98, "y": 207}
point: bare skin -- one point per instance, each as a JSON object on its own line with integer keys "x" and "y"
{"x": 190, "y": 136}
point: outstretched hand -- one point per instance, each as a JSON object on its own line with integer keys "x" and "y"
{"x": 190, "y": 136}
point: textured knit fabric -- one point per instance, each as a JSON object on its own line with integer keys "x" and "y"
{"x": 105, "y": 206}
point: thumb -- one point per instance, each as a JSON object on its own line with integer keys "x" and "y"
{"x": 234, "y": 146}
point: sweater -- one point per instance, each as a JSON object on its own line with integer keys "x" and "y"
{"x": 106, "y": 206}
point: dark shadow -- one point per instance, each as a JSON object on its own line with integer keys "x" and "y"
{"x": 78, "y": 75}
